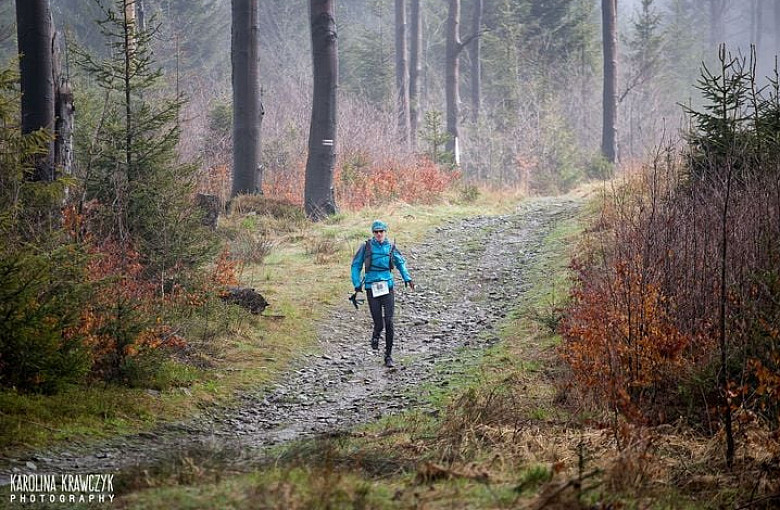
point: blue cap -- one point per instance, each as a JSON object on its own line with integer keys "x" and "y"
{"x": 378, "y": 225}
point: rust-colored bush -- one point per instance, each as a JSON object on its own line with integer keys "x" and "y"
{"x": 360, "y": 182}
{"x": 642, "y": 334}
{"x": 124, "y": 324}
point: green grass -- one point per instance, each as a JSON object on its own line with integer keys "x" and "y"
{"x": 31, "y": 420}
{"x": 533, "y": 478}
{"x": 378, "y": 466}
{"x": 296, "y": 488}
{"x": 234, "y": 349}
{"x": 468, "y": 452}
{"x": 408, "y": 461}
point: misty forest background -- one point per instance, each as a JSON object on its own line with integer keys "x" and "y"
{"x": 536, "y": 122}
{"x": 674, "y": 311}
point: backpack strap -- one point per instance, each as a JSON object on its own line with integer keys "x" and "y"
{"x": 367, "y": 256}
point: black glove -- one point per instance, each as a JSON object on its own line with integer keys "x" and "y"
{"x": 355, "y": 301}
{"x": 409, "y": 283}
{"x": 359, "y": 289}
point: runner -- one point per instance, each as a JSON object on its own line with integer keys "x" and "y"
{"x": 378, "y": 257}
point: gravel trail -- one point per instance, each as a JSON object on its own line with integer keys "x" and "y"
{"x": 468, "y": 274}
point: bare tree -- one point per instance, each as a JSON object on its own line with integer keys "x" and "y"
{"x": 36, "y": 65}
{"x": 452, "y": 75}
{"x": 247, "y": 105}
{"x": 452, "y": 88}
{"x": 132, "y": 26}
{"x": 476, "y": 61}
{"x": 140, "y": 11}
{"x": 609, "y": 31}
{"x": 402, "y": 71}
{"x": 414, "y": 70}
{"x": 318, "y": 190}
{"x": 64, "y": 114}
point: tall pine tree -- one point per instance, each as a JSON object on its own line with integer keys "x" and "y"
{"x": 132, "y": 168}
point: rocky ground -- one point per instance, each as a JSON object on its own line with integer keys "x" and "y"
{"x": 468, "y": 274}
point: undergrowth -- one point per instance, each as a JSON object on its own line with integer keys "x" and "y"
{"x": 269, "y": 247}
{"x": 507, "y": 433}
{"x": 479, "y": 442}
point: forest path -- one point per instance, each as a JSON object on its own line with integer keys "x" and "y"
{"x": 469, "y": 274}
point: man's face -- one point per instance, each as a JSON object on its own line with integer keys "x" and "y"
{"x": 379, "y": 235}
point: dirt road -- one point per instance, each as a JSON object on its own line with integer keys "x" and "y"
{"x": 469, "y": 273}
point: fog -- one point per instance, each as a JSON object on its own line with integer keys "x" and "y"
{"x": 541, "y": 73}
{"x": 736, "y": 23}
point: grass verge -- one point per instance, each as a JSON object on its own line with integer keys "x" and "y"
{"x": 502, "y": 434}
{"x": 231, "y": 350}
{"x": 479, "y": 442}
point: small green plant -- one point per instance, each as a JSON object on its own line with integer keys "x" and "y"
{"x": 436, "y": 136}
{"x": 354, "y": 165}
{"x": 41, "y": 270}
{"x": 221, "y": 119}
{"x": 468, "y": 194}
{"x": 133, "y": 171}
{"x": 599, "y": 167}
{"x": 533, "y": 478}
{"x": 550, "y": 317}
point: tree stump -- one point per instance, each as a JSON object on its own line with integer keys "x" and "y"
{"x": 246, "y": 298}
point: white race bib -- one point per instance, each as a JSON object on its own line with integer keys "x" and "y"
{"x": 379, "y": 288}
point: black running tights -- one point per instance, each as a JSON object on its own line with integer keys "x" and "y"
{"x": 384, "y": 303}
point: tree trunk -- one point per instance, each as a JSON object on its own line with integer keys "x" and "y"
{"x": 402, "y": 71}
{"x": 414, "y": 71}
{"x": 133, "y": 28}
{"x": 36, "y": 67}
{"x": 131, "y": 174}
{"x": 140, "y": 12}
{"x": 64, "y": 115}
{"x": 476, "y": 64}
{"x": 319, "y": 201}
{"x": 247, "y": 105}
{"x": 609, "y": 31}
{"x": 452, "y": 77}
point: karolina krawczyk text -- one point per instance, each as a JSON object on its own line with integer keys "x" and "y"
{"x": 71, "y": 488}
